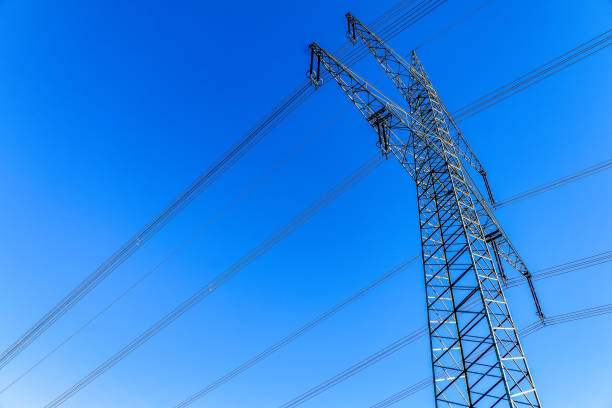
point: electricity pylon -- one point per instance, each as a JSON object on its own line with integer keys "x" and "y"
{"x": 477, "y": 359}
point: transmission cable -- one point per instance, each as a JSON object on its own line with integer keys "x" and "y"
{"x": 308, "y": 94}
{"x": 293, "y": 336}
{"x": 174, "y": 252}
{"x": 556, "y": 65}
{"x": 573, "y": 177}
{"x": 570, "y": 178}
{"x": 356, "y": 368}
{"x": 241, "y": 368}
{"x": 412, "y": 19}
{"x": 559, "y": 182}
{"x": 223, "y": 277}
{"x": 524, "y": 332}
{"x": 275, "y": 116}
{"x": 426, "y": 382}
{"x": 453, "y": 24}
{"x": 567, "y": 267}
{"x": 140, "y": 238}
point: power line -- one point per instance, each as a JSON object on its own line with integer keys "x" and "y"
{"x": 574, "y": 177}
{"x": 418, "y": 12}
{"x": 222, "y": 278}
{"x": 405, "y": 393}
{"x": 426, "y": 382}
{"x": 293, "y": 336}
{"x": 143, "y": 236}
{"x": 356, "y": 368}
{"x": 571, "y": 317}
{"x": 174, "y": 252}
{"x": 413, "y": 336}
{"x": 556, "y": 65}
{"x": 570, "y": 178}
{"x": 567, "y": 267}
{"x": 291, "y": 102}
{"x": 428, "y": 10}
{"x": 453, "y": 24}
{"x": 249, "y": 363}
{"x": 421, "y": 10}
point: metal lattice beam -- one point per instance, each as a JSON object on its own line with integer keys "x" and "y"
{"x": 477, "y": 359}
{"x": 410, "y": 79}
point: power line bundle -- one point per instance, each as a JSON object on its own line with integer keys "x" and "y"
{"x": 231, "y": 156}
{"x": 293, "y": 336}
{"x": 567, "y": 317}
{"x": 356, "y": 368}
{"x": 526, "y": 331}
{"x": 567, "y": 267}
{"x": 396, "y": 23}
{"x": 523, "y": 82}
{"x": 570, "y": 178}
{"x": 406, "y": 392}
{"x": 511, "y": 200}
{"x": 222, "y": 278}
{"x": 147, "y": 274}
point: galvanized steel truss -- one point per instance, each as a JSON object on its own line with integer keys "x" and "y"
{"x": 477, "y": 359}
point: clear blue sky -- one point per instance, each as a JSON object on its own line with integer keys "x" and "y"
{"x": 110, "y": 108}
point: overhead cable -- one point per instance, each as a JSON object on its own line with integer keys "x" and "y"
{"x": 426, "y": 382}
{"x": 564, "y": 268}
{"x": 173, "y": 253}
{"x": 294, "y": 335}
{"x": 222, "y": 278}
{"x": 562, "y": 181}
{"x": 291, "y": 102}
{"x": 570, "y": 178}
{"x": 356, "y": 368}
{"x": 453, "y": 24}
{"x": 556, "y": 65}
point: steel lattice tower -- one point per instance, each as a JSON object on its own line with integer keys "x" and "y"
{"x": 477, "y": 359}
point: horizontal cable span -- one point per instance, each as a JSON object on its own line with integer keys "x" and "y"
{"x": 563, "y": 61}
{"x": 416, "y": 13}
{"x": 356, "y": 368}
{"x": 406, "y": 392}
{"x": 526, "y": 331}
{"x": 404, "y": 2}
{"x": 221, "y": 380}
{"x": 566, "y": 318}
{"x": 415, "y": 335}
{"x": 391, "y": 23}
{"x": 567, "y": 267}
{"x": 293, "y": 336}
{"x": 173, "y": 253}
{"x": 144, "y": 235}
{"x": 511, "y": 282}
{"x": 570, "y": 178}
{"x": 222, "y": 278}
{"x": 453, "y": 24}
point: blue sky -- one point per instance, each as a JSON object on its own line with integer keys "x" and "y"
{"x": 111, "y": 108}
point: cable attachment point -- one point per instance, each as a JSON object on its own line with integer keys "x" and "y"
{"x": 350, "y": 31}
{"x": 379, "y": 120}
{"x": 486, "y": 183}
{"x": 314, "y": 75}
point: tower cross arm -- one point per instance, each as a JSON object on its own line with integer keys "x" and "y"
{"x": 403, "y": 75}
{"x": 392, "y": 123}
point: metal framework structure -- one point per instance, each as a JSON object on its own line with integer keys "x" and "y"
{"x": 477, "y": 359}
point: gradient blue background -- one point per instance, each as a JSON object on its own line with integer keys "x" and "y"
{"x": 110, "y": 108}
